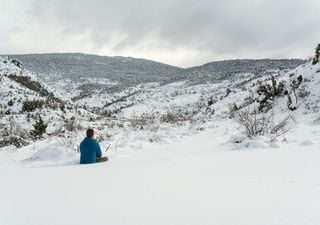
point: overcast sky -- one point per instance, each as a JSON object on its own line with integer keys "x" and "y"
{"x": 178, "y": 32}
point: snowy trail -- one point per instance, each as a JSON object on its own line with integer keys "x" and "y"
{"x": 196, "y": 181}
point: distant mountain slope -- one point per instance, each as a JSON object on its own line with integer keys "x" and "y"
{"x": 119, "y": 69}
{"x": 134, "y": 71}
{"x": 77, "y": 76}
{"x": 228, "y": 69}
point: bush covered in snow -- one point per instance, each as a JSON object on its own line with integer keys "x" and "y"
{"x": 268, "y": 92}
{"x": 292, "y": 94}
{"x": 255, "y": 124}
{"x": 39, "y": 126}
{"x": 12, "y": 134}
{"x": 32, "y": 105}
{"x": 175, "y": 117}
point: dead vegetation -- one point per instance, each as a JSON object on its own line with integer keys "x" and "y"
{"x": 253, "y": 124}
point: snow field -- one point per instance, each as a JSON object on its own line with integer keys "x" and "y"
{"x": 199, "y": 180}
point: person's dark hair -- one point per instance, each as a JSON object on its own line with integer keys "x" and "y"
{"x": 90, "y": 133}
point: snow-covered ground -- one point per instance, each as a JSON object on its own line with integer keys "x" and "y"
{"x": 197, "y": 168}
{"x": 202, "y": 179}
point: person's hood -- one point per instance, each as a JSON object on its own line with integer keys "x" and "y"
{"x": 88, "y": 141}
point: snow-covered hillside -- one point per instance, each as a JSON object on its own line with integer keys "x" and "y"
{"x": 24, "y": 100}
{"x": 179, "y": 152}
{"x": 93, "y": 72}
{"x": 82, "y": 77}
{"x": 155, "y": 112}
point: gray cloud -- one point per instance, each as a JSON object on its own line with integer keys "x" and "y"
{"x": 179, "y": 32}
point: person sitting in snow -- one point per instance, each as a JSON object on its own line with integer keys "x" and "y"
{"x": 90, "y": 151}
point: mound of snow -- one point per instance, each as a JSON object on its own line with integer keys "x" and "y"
{"x": 51, "y": 154}
{"x": 238, "y": 142}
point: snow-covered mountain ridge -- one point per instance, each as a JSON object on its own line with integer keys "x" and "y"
{"x": 80, "y": 75}
{"x": 189, "y": 103}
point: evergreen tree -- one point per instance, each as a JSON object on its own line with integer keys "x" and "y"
{"x": 40, "y": 126}
{"x": 316, "y": 55}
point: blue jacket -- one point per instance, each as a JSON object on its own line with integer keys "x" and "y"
{"x": 89, "y": 151}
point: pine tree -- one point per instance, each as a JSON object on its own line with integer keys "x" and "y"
{"x": 40, "y": 126}
{"x": 317, "y": 55}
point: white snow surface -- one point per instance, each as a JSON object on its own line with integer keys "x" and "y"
{"x": 202, "y": 179}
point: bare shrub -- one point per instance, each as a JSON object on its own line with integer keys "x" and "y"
{"x": 168, "y": 118}
{"x": 72, "y": 124}
{"x": 71, "y": 141}
{"x": 29, "y": 106}
{"x": 101, "y": 136}
{"x": 171, "y": 117}
{"x": 39, "y": 126}
{"x": 142, "y": 122}
{"x": 13, "y": 134}
{"x": 112, "y": 123}
{"x": 138, "y": 122}
{"x": 254, "y": 124}
{"x": 281, "y": 127}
